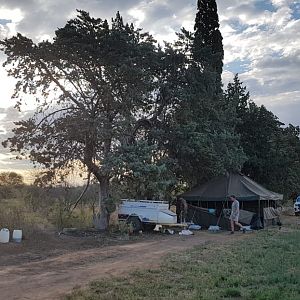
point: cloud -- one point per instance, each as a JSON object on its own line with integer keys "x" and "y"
{"x": 37, "y": 19}
{"x": 8, "y": 160}
{"x": 265, "y": 37}
{"x": 163, "y": 18}
{"x": 8, "y": 116}
{"x": 279, "y": 3}
{"x": 272, "y": 75}
{"x": 7, "y": 86}
{"x": 284, "y": 105}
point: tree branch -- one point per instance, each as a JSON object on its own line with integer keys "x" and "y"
{"x": 51, "y": 114}
{"x": 83, "y": 192}
{"x": 56, "y": 81}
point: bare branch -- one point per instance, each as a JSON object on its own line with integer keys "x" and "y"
{"x": 53, "y": 113}
{"x": 82, "y": 194}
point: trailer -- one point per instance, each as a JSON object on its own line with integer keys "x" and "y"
{"x": 146, "y": 214}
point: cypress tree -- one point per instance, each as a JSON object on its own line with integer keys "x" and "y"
{"x": 208, "y": 47}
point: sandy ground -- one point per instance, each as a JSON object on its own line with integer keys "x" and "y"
{"x": 43, "y": 272}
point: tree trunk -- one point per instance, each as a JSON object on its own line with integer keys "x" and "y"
{"x": 101, "y": 220}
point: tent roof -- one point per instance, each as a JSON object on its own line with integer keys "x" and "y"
{"x": 219, "y": 188}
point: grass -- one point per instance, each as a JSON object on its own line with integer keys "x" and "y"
{"x": 264, "y": 266}
{"x": 15, "y": 213}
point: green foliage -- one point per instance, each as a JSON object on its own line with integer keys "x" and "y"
{"x": 232, "y": 292}
{"x": 146, "y": 171}
{"x": 208, "y": 46}
{"x": 282, "y": 162}
{"x": 110, "y": 74}
{"x": 61, "y": 218}
{"x": 204, "y": 154}
{"x": 237, "y": 97}
{"x": 273, "y": 151}
{"x": 199, "y": 133}
{"x": 125, "y": 228}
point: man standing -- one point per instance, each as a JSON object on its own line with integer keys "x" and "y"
{"x": 181, "y": 210}
{"x": 235, "y": 212}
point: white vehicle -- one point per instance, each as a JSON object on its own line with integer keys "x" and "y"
{"x": 297, "y": 206}
{"x": 146, "y": 214}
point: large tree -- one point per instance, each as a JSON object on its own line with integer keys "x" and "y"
{"x": 96, "y": 88}
{"x": 199, "y": 133}
{"x": 273, "y": 151}
{"x": 208, "y": 47}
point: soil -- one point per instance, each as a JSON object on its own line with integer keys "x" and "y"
{"x": 50, "y": 266}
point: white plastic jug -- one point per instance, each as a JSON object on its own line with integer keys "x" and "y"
{"x": 17, "y": 235}
{"x": 4, "y": 235}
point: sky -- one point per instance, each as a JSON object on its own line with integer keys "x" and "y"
{"x": 261, "y": 40}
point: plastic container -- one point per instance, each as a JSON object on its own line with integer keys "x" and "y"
{"x": 17, "y": 236}
{"x": 212, "y": 211}
{"x": 194, "y": 227}
{"x": 4, "y": 235}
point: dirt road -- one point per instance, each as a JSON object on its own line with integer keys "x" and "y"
{"x": 51, "y": 278}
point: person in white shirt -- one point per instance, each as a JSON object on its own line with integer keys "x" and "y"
{"x": 235, "y": 213}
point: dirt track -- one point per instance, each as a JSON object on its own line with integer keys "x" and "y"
{"x": 51, "y": 278}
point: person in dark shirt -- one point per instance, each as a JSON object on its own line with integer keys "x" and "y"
{"x": 181, "y": 210}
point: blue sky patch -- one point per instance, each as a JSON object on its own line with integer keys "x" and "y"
{"x": 296, "y": 11}
{"x": 264, "y": 27}
{"x": 265, "y": 5}
{"x": 238, "y": 66}
{"x": 238, "y": 26}
{"x": 5, "y": 21}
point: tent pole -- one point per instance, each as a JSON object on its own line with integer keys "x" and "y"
{"x": 259, "y": 209}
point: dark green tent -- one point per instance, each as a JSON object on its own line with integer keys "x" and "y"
{"x": 219, "y": 188}
{"x": 213, "y": 196}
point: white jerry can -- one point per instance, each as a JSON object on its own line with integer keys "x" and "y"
{"x": 17, "y": 236}
{"x": 4, "y": 235}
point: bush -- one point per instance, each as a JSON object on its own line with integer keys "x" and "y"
{"x": 231, "y": 292}
{"x": 13, "y": 217}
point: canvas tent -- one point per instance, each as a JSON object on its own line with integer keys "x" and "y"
{"x": 213, "y": 195}
{"x": 219, "y": 188}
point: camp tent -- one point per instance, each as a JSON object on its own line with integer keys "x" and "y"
{"x": 219, "y": 188}
{"x": 214, "y": 194}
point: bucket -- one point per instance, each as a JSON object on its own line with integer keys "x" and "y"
{"x": 17, "y": 236}
{"x": 4, "y": 235}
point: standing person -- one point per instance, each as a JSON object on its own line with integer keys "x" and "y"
{"x": 235, "y": 213}
{"x": 184, "y": 209}
{"x": 181, "y": 210}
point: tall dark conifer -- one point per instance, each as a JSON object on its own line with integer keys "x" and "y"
{"x": 237, "y": 95}
{"x": 208, "y": 46}
{"x": 273, "y": 151}
{"x": 199, "y": 135}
